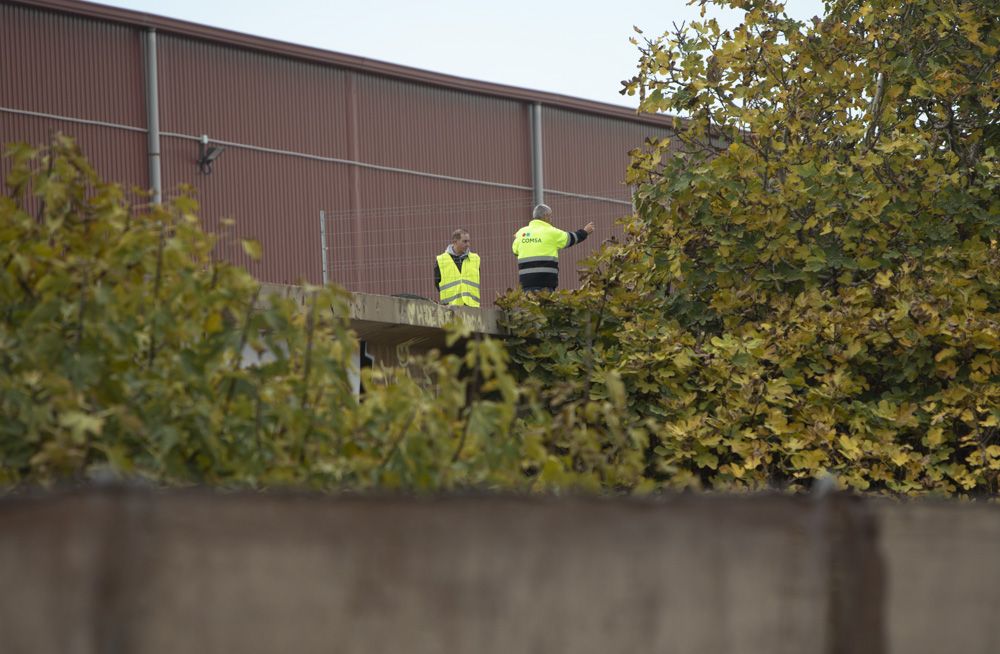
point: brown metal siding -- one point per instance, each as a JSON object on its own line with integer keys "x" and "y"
{"x": 253, "y": 99}
{"x": 588, "y": 154}
{"x": 273, "y": 198}
{"x": 70, "y": 66}
{"x": 250, "y": 97}
{"x": 442, "y": 131}
{"x": 337, "y": 60}
{"x": 117, "y": 155}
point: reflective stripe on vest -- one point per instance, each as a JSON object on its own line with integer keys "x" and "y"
{"x": 459, "y": 287}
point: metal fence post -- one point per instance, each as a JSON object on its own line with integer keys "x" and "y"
{"x": 322, "y": 238}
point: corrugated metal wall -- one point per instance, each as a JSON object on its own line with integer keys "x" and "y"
{"x": 401, "y": 221}
{"x": 79, "y": 70}
{"x": 396, "y": 165}
{"x": 442, "y": 131}
{"x": 91, "y": 70}
{"x": 588, "y": 154}
{"x": 255, "y": 103}
{"x": 251, "y": 97}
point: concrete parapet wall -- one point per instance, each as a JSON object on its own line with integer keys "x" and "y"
{"x": 122, "y": 570}
{"x": 388, "y": 322}
{"x": 942, "y": 565}
{"x": 396, "y": 311}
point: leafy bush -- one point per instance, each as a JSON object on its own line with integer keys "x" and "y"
{"x": 122, "y": 343}
{"x": 810, "y": 282}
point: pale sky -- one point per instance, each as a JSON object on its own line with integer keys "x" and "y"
{"x": 578, "y": 48}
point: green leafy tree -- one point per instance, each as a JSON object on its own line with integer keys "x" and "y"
{"x": 124, "y": 345}
{"x": 810, "y": 282}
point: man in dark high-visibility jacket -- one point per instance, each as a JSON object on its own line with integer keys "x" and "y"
{"x": 537, "y": 246}
{"x": 456, "y": 272}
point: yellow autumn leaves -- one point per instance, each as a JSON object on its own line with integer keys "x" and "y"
{"x": 819, "y": 243}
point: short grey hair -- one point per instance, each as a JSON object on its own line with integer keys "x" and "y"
{"x": 541, "y": 211}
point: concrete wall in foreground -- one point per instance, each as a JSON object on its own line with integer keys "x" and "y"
{"x": 121, "y": 570}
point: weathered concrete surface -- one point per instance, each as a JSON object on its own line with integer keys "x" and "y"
{"x": 135, "y": 571}
{"x": 388, "y": 310}
{"x": 942, "y": 563}
{"x": 388, "y": 320}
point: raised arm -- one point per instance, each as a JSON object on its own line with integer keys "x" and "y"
{"x": 572, "y": 238}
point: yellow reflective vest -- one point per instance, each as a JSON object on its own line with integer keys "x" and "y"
{"x": 459, "y": 287}
{"x": 537, "y": 246}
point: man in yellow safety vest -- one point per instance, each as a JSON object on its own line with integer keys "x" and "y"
{"x": 456, "y": 272}
{"x": 537, "y": 246}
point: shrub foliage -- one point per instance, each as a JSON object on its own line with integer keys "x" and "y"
{"x": 810, "y": 282}
{"x": 123, "y": 346}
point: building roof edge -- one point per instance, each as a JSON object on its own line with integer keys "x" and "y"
{"x": 352, "y": 62}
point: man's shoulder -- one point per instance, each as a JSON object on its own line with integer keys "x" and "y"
{"x": 535, "y": 226}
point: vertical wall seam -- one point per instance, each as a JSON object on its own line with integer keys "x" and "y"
{"x": 354, "y": 185}
{"x": 322, "y": 238}
{"x": 856, "y": 583}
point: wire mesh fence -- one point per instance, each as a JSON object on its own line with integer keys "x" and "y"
{"x": 391, "y": 250}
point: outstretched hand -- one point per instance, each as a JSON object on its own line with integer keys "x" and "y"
{"x": 589, "y": 227}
